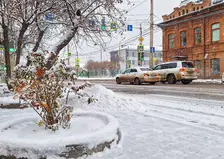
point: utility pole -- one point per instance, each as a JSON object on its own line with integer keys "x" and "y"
{"x": 151, "y": 33}
{"x": 101, "y": 54}
{"x": 140, "y": 42}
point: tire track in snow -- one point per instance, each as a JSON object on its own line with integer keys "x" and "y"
{"x": 211, "y": 121}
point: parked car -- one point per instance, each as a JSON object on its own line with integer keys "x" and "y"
{"x": 138, "y": 75}
{"x": 172, "y": 72}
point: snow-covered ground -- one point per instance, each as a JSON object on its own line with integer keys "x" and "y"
{"x": 158, "y": 126}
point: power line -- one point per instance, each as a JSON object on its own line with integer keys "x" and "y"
{"x": 109, "y": 48}
{"x": 137, "y": 5}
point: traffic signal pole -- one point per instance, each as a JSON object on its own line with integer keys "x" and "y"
{"x": 140, "y": 43}
{"x": 151, "y": 33}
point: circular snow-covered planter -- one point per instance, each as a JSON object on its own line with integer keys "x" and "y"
{"x": 90, "y": 132}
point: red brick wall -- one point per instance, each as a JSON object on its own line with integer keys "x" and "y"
{"x": 192, "y": 51}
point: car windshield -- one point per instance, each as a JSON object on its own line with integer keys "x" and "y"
{"x": 144, "y": 69}
{"x": 187, "y": 64}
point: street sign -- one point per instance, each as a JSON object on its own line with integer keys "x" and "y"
{"x": 140, "y": 48}
{"x": 152, "y": 49}
{"x": 141, "y": 39}
{"x": 130, "y": 27}
{"x": 49, "y": 17}
{"x": 113, "y": 26}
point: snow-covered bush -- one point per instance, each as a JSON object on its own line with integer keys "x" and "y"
{"x": 42, "y": 90}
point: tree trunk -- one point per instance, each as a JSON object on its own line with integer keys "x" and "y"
{"x": 20, "y": 41}
{"x": 40, "y": 37}
{"x": 37, "y": 44}
{"x": 60, "y": 46}
{"x": 6, "y": 47}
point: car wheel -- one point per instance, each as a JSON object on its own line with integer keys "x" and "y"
{"x": 137, "y": 81}
{"x": 171, "y": 79}
{"x": 118, "y": 81}
{"x": 152, "y": 83}
{"x": 132, "y": 83}
{"x": 186, "y": 81}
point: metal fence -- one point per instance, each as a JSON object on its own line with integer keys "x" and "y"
{"x": 103, "y": 73}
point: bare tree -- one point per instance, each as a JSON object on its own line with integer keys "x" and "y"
{"x": 5, "y": 24}
{"x": 80, "y": 14}
{"x": 76, "y": 21}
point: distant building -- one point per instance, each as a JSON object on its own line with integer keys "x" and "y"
{"x": 195, "y": 31}
{"x": 130, "y": 54}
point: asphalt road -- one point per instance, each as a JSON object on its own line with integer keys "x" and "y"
{"x": 200, "y": 91}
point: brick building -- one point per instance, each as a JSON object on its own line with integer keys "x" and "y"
{"x": 194, "y": 31}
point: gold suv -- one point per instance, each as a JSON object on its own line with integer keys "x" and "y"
{"x": 138, "y": 76}
{"x": 172, "y": 72}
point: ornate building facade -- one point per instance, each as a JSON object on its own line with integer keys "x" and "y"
{"x": 194, "y": 31}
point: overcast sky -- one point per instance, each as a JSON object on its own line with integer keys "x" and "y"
{"x": 135, "y": 17}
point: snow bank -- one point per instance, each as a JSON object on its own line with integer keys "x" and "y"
{"x": 20, "y": 136}
{"x": 97, "y": 79}
{"x": 208, "y": 81}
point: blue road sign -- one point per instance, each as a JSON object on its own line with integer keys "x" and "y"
{"x": 130, "y": 27}
{"x": 49, "y": 17}
{"x": 152, "y": 49}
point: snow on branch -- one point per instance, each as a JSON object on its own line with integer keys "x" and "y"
{"x": 43, "y": 90}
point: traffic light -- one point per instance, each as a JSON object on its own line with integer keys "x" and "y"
{"x": 92, "y": 23}
{"x": 103, "y": 24}
{"x": 129, "y": 63}
{"x": 142, "y": 56}
{"x": 113, "y": 26}
{"x": 139, "y": 58}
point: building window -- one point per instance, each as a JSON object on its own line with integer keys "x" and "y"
{"x": 173, "y": 16}
{"x": 171, "y": 41}
{"x": 179, "y": 14}
{"x": 133, "y": 62}
{"x": 183, "y": 37}
{"x": 183, "y": 12}
{"x": 202, "y": 7}
{"x": 194, "y": 9}
{"x": 197, "y": 35}
{"x": 216, "y": 32}
{"x": 215, "y": 65}
{"x": 133, "y": 54}
{"x": 187, "y": 11}
{"x": 197, "y": 8}
{"x": 197, "y": 64}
